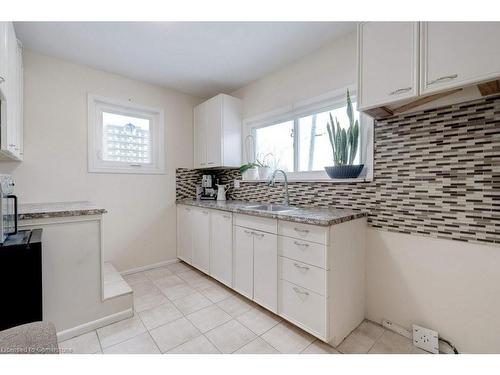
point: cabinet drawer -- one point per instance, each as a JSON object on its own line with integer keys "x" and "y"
{"x": 303, "y": 307}
{"x": 304, "y": 275}
{"x": 304, "y": 251}
{"x": 255, "y": 222}
{"x": 313, "y": 233}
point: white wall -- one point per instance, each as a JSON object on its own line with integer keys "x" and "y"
{"x": 140, "y": 226}
{"x": 331, "y": 67}
{"x": 450, "y": 286}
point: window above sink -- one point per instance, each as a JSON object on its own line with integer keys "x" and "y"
{"x": 295, "y": 138}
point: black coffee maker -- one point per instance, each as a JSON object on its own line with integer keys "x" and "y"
{"x": 209, "y": 184}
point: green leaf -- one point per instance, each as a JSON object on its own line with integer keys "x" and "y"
{"x": 350, "y": 112}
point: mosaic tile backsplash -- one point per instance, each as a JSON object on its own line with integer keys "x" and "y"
{"x": 436, "y": 173}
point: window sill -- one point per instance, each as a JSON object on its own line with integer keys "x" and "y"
{"x": 324, "y": 180}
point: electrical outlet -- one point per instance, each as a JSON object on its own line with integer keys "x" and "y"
{"x": 236, "y": 184}
{"x": 426, "y": 339}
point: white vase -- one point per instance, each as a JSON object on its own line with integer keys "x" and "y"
{"x": 250, "y": 174}
{"x": 264, "y": 172}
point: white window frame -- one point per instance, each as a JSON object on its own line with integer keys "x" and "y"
{"x": 98, "y": 104}
{"x": 322, "y": 103}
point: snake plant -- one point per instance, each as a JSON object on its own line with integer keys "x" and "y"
{"x": 344, "y": 141}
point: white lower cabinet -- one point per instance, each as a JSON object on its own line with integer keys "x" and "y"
{"x": 185, "y": 233}
{"x": 243, "y": 261}
{"x": 221, "y": 246}
{"x": 201, "y": 239}
{"x": 265, "y": 264}
{"x": 303, "y": 307}
{"x": 310, "y": 275}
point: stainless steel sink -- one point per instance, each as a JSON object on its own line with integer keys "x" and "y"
{"x": 271, "y": 207}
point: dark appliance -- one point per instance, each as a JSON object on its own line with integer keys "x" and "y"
{"x": 208, "y": 187}
{"x": 21, "y": 278}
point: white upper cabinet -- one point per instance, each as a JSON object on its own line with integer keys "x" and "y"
{"x": 455, "y": 54}
{"x": 217, "y": 132}
{"x": 387, "y": 62}
{"x": 3, "y": 57}
{"x": 11, "y": 94}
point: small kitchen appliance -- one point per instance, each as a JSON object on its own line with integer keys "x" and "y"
{"x": 208, "y": 183}
{"x": 221, "y": 192}
{"x": 8, "y": 208}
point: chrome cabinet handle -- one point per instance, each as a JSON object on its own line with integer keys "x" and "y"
{"x": 211, "y": 162}
{"x": 400, "y": 91}
{"x": 301, "y": 230}
{"x": 258, "y": 234}
{"x": 226, "y": 216}
{"x": 301, "y": 244}
{"x": 297, "y": 290}
{"x": 301, "y": 267}
{"x": 445, "y": 78}
{"x": 2, "y": 80}
{"x": 248, "y": 232}
{"x": 205, "y": 212}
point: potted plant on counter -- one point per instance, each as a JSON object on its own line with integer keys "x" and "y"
{"x": 249, "y": 171}
{"x": 344, "y": 142}
{"x": 263, "y": 166}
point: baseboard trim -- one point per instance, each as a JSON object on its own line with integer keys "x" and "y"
{"x": 149, "y": 267}
{"x": 95, "y": 324}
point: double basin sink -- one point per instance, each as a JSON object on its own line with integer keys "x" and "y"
{"x": 271, "y": 208}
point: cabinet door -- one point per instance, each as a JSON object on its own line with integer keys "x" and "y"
{"x": 457, "y": 54}
{"x": 213, "y": 118}
{"x": 184, "y": 234}
{"x": 20, "y": 106}
{"x": 265, "y": 286}
{"x": 200, "y": 142}
{"x": 387, "y": 62}
{"x": 243, "y": 261}
{"x": 201, "y": 239}
{"x": 3, "y": 57}
{"x": 12, "y": 93}
{"x": 221, "y": 246}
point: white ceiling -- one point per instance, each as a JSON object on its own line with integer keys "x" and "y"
{"x": 198, "y": 58}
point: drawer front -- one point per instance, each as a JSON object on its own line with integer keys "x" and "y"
{"x": 307, "y": 232}
{"x": 303, "y": 307}
{"x": 303, "y": 275}
{"x": 254, "y": 222}
{"x": 304, "y": 251}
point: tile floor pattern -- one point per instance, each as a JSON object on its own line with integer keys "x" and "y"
{"x": 179, "y": 310}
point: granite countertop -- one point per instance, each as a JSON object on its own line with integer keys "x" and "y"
{"x": 30, "y": 211}
{"x": 306, "y": 215}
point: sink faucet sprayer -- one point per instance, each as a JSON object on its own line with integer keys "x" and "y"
{"x": 271, "y": 183}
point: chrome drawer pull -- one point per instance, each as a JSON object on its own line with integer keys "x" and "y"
{"x": 248, "y": 232}
{"x": 301, "y": 267}
{"x": 445, "y": 78}
{"x": 301, "y": 230}
{"x": 2, "y": 80}
{"x": 226, "y": 216}
{"x": 297, "y": 290}
{"x": 301, "y": 244}
{"x": 258, "y": 234}
{"x": 400, "y": 91}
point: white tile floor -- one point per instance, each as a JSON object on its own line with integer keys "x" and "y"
{"x": 179, "y": 310}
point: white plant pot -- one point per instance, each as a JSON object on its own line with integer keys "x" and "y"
{"x": 250, "y": 174}
{"x": 264, "y": 172}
